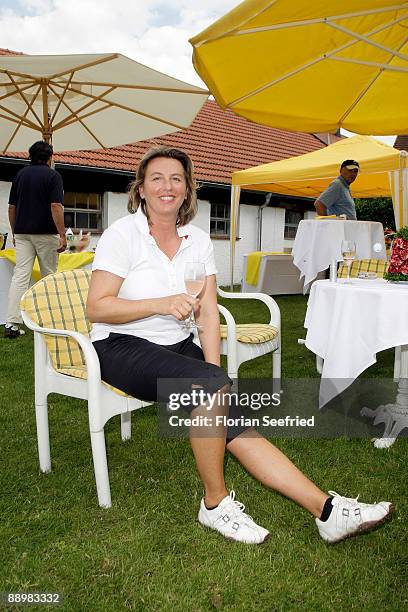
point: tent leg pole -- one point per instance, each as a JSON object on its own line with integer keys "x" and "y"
{"x": 333, "y": 271}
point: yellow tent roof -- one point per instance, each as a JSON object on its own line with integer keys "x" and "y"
{"x": 383, "y": 173}
{"x": 310, "y": 66}
{"x": 308, "y": 175}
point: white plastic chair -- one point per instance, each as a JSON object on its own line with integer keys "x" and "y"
{"x": 66, "y": 363}
{"x": 241, "y": 342}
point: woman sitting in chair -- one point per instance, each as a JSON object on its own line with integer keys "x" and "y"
{"x": 138, "y": 305}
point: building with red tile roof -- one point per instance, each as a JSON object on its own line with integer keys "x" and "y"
{"x": 218, "y": 141}
{"x": 10, "y": 52}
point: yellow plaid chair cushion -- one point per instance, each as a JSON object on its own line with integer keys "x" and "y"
{"x": 75, "y": 371}
{"x": 58, "y": 301}
{"x": 252, "y": 333}
{"x": 81, "y": 372}
{"x": 379, "y": 266}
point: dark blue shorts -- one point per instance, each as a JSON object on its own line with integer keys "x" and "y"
{"x": 135, "y": 365}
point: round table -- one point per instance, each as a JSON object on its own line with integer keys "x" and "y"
{"x": 347, "y": 324}
{"x": 318, "y": 244}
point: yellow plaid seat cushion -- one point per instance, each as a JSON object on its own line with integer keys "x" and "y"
{"x": 81, "y": 372}
{"x": 58, "y": 301}
{"x": 379, "y": 266}
{"x": 75, "y": 371}
{"x": 252, "y": 333}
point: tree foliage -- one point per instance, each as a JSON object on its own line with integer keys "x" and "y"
{"x": 376, "y": 209}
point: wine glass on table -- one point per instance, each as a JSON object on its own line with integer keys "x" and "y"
{"x": 194, "y": 280}
{"x": 348, "y": 249}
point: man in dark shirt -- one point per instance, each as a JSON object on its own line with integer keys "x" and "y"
{"x": 36, "y": 216}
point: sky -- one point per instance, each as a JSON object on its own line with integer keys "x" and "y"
{"x": 152, "y": 32}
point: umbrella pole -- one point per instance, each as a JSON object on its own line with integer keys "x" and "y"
{"x": 46, "y": 131}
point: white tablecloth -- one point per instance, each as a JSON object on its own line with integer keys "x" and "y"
{"x": 6, "y": 272}
{"x": 347, "y": 324}
{"x": 318, "y": 243}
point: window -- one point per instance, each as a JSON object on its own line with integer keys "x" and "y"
{"x": 83, "y": 210}
{"x": 292, "y": 220}
{"x": 220, "y": 220}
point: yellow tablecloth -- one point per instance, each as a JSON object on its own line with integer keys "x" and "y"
{"x": 254, "y": 264}
{"x": 66, "y": 261}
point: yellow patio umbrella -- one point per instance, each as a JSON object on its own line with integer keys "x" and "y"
{"x": 383, "y": 173}
{"x": 310, "y": 66}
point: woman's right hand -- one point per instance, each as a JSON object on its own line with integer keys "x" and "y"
{"x": 104, "y": 305}
{"x": 179, "y": 305}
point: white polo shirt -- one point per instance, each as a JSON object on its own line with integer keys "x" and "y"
{"x": 127, "y": 249}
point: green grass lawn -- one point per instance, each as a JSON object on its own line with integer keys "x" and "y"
{"x": 148, "y": 552}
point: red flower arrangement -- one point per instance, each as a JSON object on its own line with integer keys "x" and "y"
{"x": 398, "y": 268}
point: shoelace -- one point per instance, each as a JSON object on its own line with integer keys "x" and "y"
{"x": 237, "y": 506}
{"x": 351, "y": 500}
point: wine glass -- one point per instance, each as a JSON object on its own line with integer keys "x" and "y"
{"x": 348, "y": 249}
{"x": 194, "y": 280}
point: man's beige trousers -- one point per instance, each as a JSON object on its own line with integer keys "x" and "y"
{"x": 28, "y": 246}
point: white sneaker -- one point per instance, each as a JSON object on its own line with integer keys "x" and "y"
{"x": 349, "y": 517}
{"x": 230, "y": 519}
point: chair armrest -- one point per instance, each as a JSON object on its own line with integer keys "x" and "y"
{"x": 262, "y": 297}
{"x": 90, "y": 354}
{"x": 231, "y": 336}
{"x": 230, "y": 321}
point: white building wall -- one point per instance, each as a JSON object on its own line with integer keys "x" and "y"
{"x": 4, "y": 195}
{"x": 202, "y": 218}
{"x": 115, "y": 207}
{"x": 309, "y": 214}
{"x": 247, "y": 232}
{"x": 273, "y": 223}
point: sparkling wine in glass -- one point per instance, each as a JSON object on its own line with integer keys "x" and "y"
{"x": 348, "y": 249}
{"x": 194, "y": 280}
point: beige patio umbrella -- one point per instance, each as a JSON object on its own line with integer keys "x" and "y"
{"x": 310, "y": 66}
{"x": 89, "y": 101}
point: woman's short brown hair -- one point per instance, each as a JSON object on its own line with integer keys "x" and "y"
{"x": 188, "y": 209}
